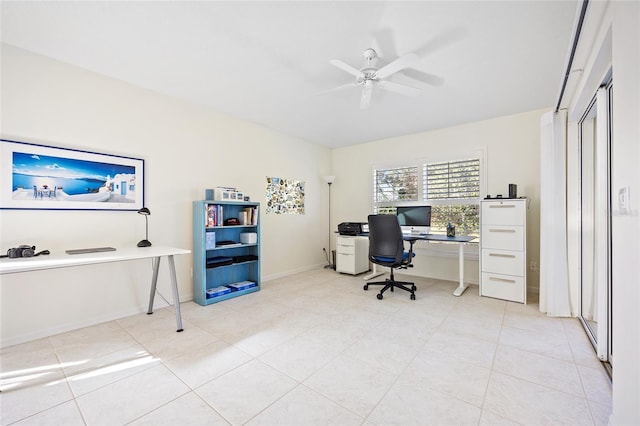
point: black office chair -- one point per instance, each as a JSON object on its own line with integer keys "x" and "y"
{"x": 386, "y": 248}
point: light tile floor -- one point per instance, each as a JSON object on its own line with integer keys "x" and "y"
{"x": 314, "y": 348}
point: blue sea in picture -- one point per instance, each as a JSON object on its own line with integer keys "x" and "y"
{"x": 38, "y": 177}
{"x": 71, "y": 186}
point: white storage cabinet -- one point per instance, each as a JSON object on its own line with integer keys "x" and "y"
{"x": 352, "y": 254}
{"x": 503, "y": 253}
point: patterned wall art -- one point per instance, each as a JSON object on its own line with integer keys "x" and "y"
{"x": 285, "y": 196}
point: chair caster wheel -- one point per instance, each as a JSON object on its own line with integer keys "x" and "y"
{"x": 379, "y": 296}
{"x": 366, "y": 287}
{"x": 413, "y": 297}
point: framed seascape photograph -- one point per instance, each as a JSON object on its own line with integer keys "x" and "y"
{"x": 36, "y": 176}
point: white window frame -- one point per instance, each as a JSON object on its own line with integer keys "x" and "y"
{"x": 435, "y": 248}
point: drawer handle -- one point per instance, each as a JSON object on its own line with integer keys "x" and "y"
{"x": 502, "y": 206}
{"x": 512, "y": 231}
{"x": 503, "y": 280}
{"x": 502, "y": 255}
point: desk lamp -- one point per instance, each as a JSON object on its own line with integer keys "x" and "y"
{"x": 329, "y": 180}
{"x": 145, "y": 212}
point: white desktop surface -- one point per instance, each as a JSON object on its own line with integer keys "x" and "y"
{"x": 64, "y": 260}
{"x": 52, "y": 261}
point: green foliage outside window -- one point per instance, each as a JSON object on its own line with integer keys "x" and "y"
{"x": 464, "y": 217}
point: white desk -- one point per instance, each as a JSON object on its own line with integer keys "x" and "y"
{"x": 460, "y": 240}
{"x": 27, "y": 264}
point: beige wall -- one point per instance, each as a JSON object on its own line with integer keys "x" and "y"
{"x": 186, "y": 149}
{"x": 511, "y": 147}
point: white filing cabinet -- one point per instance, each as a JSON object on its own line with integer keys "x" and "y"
{"x": 352, "y": 254}
{"x": 503, "y": 253}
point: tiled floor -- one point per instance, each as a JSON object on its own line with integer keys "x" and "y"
{"x": 314, "y": 348}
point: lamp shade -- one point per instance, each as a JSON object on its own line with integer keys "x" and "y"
{"x": 329, "y": 179}
{"x": 145, "y": 211}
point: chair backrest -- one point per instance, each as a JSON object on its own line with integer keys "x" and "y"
{"x": 385, "y": 238}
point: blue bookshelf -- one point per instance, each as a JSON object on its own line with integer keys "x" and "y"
{"x": 216, "y": 265}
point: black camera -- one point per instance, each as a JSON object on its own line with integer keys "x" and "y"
{"x": 21, "y": 251}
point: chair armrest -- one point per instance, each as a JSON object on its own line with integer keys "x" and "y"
{"x": 411, "y": 243}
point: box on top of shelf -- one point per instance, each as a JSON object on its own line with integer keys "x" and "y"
{"x": 224, "y": 193}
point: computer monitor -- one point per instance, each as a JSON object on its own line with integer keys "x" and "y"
{"x": 414, "y": 219}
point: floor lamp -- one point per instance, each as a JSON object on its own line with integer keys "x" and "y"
{"x": 329, "y": 180}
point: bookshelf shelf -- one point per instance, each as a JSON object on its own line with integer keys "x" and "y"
{"x": 220, "y": 259}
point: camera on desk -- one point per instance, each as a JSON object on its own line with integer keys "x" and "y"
{"x": 21, "y": 251}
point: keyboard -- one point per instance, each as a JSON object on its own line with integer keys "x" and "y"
{"x": 89, "y": 250}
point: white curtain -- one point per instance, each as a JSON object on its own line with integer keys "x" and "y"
{"x": 554, "y": 277}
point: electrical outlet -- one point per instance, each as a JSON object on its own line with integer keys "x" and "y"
{"x": 533, "y": 266}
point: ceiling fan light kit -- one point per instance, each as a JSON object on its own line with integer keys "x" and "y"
{"x": 369, "y": 75}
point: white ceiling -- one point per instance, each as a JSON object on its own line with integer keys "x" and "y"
{"x": 267, "y": 61}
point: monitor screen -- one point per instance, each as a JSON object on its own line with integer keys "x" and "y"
{"x": 414, "y": 219}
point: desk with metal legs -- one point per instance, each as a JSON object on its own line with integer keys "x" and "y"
{"x": 27, "y": 264}
{"x": 462, "y": 240}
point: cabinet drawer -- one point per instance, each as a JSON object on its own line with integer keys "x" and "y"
{"x": 345, "y": 263}
{"x": 503, "y": 212}
{"x": 503, "y": 287}
{"x": 503, "y": 237}
{"x": 346, "y": 241}
{"x": 503, "y": 262}
{"x": 340, "y": 249}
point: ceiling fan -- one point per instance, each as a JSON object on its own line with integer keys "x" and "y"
{"x": 370, "y": 76}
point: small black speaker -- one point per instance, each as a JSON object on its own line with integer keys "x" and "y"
{"x": 513, "y": 190}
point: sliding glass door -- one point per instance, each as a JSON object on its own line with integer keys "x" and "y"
{"x": 595, "y": 223}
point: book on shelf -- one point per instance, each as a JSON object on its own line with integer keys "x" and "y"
{"x": 214, "y": 215}
{"x": 254, "y": 215}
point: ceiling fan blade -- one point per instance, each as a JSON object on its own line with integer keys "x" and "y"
{"x": 399, "y": 88}
{"x": 338, "y": 89}
{"x": 397, "y": 65}
{"x": 346, "y": 67}
{"x": 365, "y": 98}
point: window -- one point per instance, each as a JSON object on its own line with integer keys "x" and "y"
{"x": 397, "y": 184}
{"x": 452, "y": 188}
